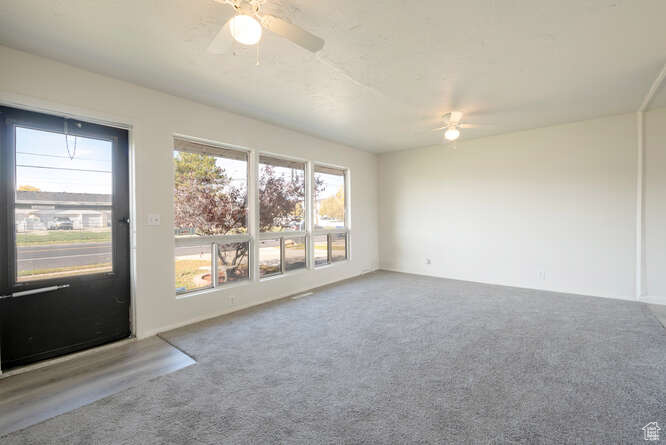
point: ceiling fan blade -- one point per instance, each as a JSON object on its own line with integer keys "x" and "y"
{"x": 453, "y": 117}
{"x": 439, "y": 128}
{"x": 222, "y": 41}
{"x": 292, "y": 32}
{"x": 468, "y": 126}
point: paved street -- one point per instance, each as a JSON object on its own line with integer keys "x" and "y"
{"x": 50, "y": 256}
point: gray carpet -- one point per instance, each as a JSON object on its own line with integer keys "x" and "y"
{"x": 395, "y": 358}
{"x": 659, "y": 311}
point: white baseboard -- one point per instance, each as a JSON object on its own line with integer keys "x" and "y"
{"x": 653, "y": 299}
{"x": 518, "y": 286}
{"x": 233, "y": 309}
{"x": 194, "y": 320}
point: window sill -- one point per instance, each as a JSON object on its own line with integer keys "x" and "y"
{"x": 326, "y": 266}
{"x": 243, "y": 283}
{"x": 210, "y": 290}
{"x": 283, "y": 275}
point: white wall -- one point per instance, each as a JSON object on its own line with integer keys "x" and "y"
{"x": 551, "y": 208}
{"x": 154, "y": 117}
{"x": 655, "y": 203}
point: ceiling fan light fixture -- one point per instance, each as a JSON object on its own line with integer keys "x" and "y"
{"x": 451, "y": 134}
{"x": 245, "y": 29}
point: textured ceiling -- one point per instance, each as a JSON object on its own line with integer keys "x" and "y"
{"x": 389, "y": 68}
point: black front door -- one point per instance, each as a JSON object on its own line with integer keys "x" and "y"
{"x": 64, "y": 236}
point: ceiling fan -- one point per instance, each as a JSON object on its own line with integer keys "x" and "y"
{"x": 452, "y": 124}
{"x": 247, "y": 24}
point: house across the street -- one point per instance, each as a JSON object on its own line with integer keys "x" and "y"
{"x": 37, "y": 211}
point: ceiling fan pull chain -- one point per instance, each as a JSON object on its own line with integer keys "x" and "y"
{"x": 258, "y": 63}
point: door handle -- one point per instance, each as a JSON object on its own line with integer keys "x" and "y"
{"x": 124, "y": 220}
{"x": 34, "y": 291}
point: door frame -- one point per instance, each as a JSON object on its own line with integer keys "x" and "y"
{"x": 58, "y": 110}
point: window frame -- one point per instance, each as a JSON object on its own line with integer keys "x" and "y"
{"x": 253, "y": 235}
{"x": 328, "y": 232}
{"x": 283, "y": 235}
{"x": 215, "y": 241}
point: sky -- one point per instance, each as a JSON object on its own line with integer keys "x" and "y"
{"x": 237, "y": 171}
{"x": 42, "y": 161}
{"x": 331, "y": 184}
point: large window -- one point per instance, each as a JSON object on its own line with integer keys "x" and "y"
{"x": 331, "y": 234}
{"x": 281, "y": 196}
{"x": 298, "y": 217}
{"x": 210, "y": 216}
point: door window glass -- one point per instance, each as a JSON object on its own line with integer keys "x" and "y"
{"x": 63, "y": 199}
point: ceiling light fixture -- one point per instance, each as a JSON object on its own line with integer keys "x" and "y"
{"x": 451, "y": 134}
{"x": 248, "y": 22}
{"x": 245, "y": 29}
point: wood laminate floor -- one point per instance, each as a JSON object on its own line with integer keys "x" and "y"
{"x": 32, "y": 397}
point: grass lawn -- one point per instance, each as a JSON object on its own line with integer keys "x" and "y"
{"x": 323, "y": 248}
{"x": 61, "y": 237}
{"x": 76, "y": 270}
{"x": 269, "y": 270}
{"x": 186, "y": 270}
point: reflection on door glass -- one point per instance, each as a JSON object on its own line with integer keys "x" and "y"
{"x": 63, "y": 205}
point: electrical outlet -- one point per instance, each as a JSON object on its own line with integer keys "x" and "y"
{"x": 542, "y": 275}
{"x": 153, "y": 219}
{"x": 428, "y": 261}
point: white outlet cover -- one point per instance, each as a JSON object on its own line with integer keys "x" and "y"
{"x": 154, "y": 219}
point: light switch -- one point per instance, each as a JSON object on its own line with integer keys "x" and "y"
{"x": 153, "y": 219}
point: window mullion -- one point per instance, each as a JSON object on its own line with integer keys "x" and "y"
{"x": 253, "y": 214}
{"x": 213, "y": 269}
{"x": 347, "y": 244}
{"x": 309, "y": 215}
{"x": 283, "y": 267}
